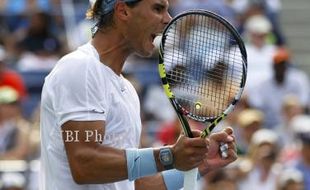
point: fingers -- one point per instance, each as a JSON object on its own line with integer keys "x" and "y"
{"x": 231, "y": 154}
{"x": 221, "y": 137}
{"x": 228, "y": 149}
{"x": 197, "y": 142}
{"x": 221, "y": 143}
{"x": 191, "y": 152}
{"x": 224, "y": 148}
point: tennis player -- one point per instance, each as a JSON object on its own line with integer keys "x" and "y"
{"x": 90, "y": 114}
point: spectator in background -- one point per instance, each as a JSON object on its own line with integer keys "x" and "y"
{"x": 221, "y": 179}
{"x": 40, "y": 48}
{"x": 15, "y": 20}
{"x": 301, "y": 126}
{"x": 157, "y": 111}
{"x": 225, "y": 8}
{"x": 13, "y": 181}
{"x": 249, "y": 121}
{"x": 170, "y": 131}
{"x": 271, "y": 9}
{"x": 286, "y": 80}
{"x": 263, "y": 152}
{"x": 291, "y": 107}
{"x": 21, "y": 6}
{"x": 14, "y": 130}
{"x": 259, "y": 52}
{"x": 11, "y": 78}
{"x": 233, "y": 117}
{"x": 291, "y": 179}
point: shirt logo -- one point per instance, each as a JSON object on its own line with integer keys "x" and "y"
{"x": 98, "y": 111}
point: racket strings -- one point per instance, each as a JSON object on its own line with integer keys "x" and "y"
{"x": 202, "y": 67}
{"x": 179, "y": 55}
{"x": 176, "y": 77}
{"x": 189, "y": 79}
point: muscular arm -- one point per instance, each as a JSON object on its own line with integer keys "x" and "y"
{"x": 92, "y": 163}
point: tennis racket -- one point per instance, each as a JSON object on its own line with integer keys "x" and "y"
{"x": 203, "y": 67}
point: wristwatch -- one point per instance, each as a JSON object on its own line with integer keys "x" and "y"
{"x": 166, "y": 158}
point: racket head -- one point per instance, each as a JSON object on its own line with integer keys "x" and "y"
{"x": 202, "y": 64}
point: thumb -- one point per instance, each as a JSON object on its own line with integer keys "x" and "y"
{"x": 221, "y": 137}
{"x": 229, "y": 130}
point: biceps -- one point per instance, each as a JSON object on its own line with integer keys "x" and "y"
{"x": 88, "y": 158}
{"x": 82, "y": 135}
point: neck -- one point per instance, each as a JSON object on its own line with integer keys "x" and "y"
{"x": 112, "y": 49}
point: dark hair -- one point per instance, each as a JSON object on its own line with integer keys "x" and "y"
{"x": 104, "y": 20}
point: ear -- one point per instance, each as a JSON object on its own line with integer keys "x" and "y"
{"x": 121, "y": 10}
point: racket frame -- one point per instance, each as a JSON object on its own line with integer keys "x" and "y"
{"x": 181, "y": 112}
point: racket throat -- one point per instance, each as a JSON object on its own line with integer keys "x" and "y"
{"x": 185, "y": 125}
{"x": 206, "y": 132}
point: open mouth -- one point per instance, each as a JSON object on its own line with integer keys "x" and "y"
{"x": 156, "y": 35}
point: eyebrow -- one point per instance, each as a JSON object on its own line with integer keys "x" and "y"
{"x": 161, "y": 5}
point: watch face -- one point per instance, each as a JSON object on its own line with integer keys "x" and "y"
{"x": 166, "y": 157}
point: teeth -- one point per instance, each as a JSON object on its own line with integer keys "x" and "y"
{"x": 157, "y": 41}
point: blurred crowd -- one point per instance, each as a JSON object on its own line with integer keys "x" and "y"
{"x": 271, "y": 121}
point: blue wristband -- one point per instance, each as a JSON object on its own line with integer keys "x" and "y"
{"x": 174, "y": 179}
{"x": 140, "y": 163}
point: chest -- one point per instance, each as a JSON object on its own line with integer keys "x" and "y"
{"x": 123, "y": 124}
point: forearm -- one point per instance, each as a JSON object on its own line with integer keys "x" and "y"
{"x": 96, "y": 166}
{"x": 103, "y": 165}
{"x": 94, "y": 163}
{"x": 155, "y": 182}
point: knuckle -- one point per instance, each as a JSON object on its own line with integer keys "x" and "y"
{"x": 188, "y": 151}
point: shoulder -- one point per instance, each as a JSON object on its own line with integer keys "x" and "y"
{"x": 78, "y": 58}
{"x": 76, "y": 64}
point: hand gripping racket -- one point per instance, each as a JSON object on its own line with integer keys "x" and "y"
{"x": 203, "y": 67}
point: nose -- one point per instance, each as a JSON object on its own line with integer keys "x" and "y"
{"x": 167, "y": 18}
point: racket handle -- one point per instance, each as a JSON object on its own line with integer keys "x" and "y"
{"x": 190, "y": 179}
